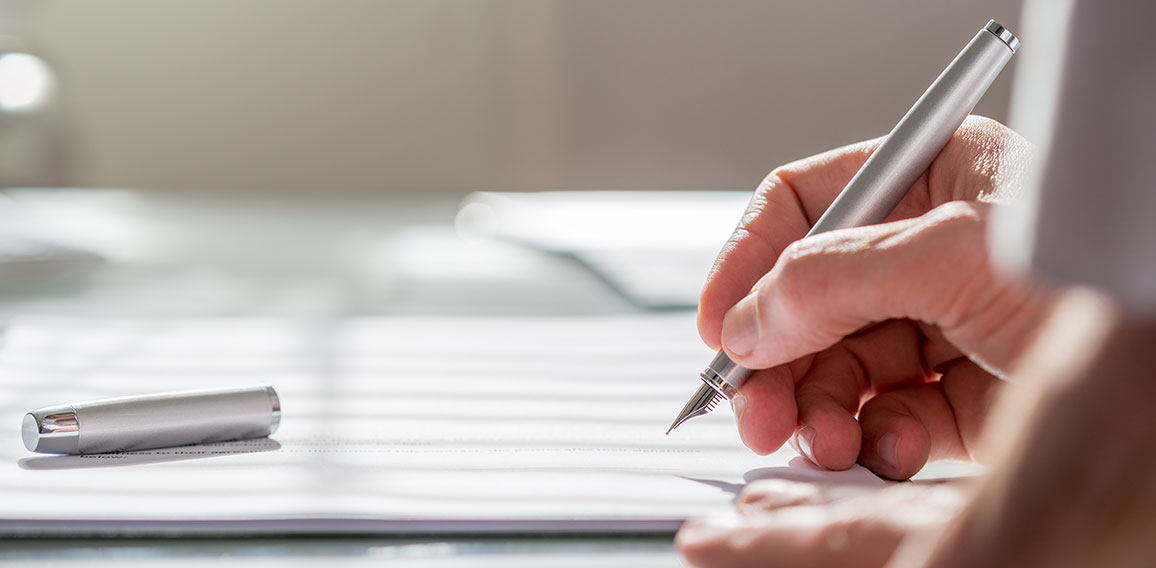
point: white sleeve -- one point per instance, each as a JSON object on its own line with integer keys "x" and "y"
{"x": 1085, "y": 94}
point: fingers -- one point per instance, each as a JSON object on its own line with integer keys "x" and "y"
{"x": 933, "y": 269}
{"x": 912, "y": 422}
{"x": 794, "y": 537}
{"x": 829, "y": 394}
{"x": 972, "y": 392}
{"x": 813, "y": 529}
{"x": 765, "y": 410}
{"x": 766, "y": 495}
{"x": 770, "y": 494}
{"x": 899, "y": 428}
{"x": 828, "y": 433}
{"x": 782, "y": 210}
{"x": 984, "y": 160}
{"x": 905, "y": 428}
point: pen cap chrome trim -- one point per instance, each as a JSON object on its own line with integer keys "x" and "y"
{"x": 276, "y": 402}
{"x": 725, "y": 376}
{"x": 54, "y": 430}
{"x": 1003, "y": 34}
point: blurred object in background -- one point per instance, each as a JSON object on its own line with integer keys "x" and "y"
{"x": 655, "y": 248}
{"x": 31, "y": 143}
{"x": 26, "y": 83}
{"x": 32, "y": 153}
{"x": 33, "y": 136}
{"x": 385, "y": 97}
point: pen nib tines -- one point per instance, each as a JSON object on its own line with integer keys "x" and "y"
{"x": 703, "y": 401}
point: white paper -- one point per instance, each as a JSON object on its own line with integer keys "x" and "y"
{"x": 397, "y": 425}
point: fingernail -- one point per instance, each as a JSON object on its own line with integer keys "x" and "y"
{"x": 740, "y": 331}
{"x": 738, "y": 405}
{"x": 805, "y": 437}
{"x": 888, "y": 449}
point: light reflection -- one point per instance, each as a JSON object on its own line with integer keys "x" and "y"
{"x": 26, "y": 82}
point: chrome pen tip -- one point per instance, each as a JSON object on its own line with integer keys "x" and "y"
{"x": 702, "y": 402}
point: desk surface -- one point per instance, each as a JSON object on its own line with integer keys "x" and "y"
{"x": 511, "y": 552}
{"x": 301, "y": 258}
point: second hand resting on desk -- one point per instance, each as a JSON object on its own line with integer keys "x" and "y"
{"x": 885, "y": 177}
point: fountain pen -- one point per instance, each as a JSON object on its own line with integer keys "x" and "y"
{"x": 886, "y": 176}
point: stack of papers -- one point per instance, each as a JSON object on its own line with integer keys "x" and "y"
{"x": 404, "y": 425}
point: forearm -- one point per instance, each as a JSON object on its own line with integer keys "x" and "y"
{"x": 1075, "y": 484}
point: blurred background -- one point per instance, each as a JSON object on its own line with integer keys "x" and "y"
{"x": 414, "y": 96}
{"x": 301, "y": 139}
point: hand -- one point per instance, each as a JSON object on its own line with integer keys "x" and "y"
{"x": 1072, "y": 483}
{"x": 786, "y": 523}
{"x": 1073, "y": 478}
{"x": 900, "y": 322}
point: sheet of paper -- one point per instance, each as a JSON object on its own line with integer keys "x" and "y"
{"x": 654, "y": 247}
{"x": 389, "y": 425}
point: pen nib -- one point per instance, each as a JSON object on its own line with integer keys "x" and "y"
{"x": 702, "y": 402}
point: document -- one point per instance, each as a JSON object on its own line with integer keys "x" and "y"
{"x": 389, "y": 425}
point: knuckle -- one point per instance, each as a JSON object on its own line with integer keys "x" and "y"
{"x": 798, "y": 273}
{"x": 794, "y": 264}
{"x": 774, "y": 178}
{"x": 955, "y": 217}
{"x": 981, "y": 130}
{"x": 978, "y": 122}
{"x": 755, "y": 207}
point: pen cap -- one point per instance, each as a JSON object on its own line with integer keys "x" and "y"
{"x": 154, "y": 421}
{"x": 51, "y": 431}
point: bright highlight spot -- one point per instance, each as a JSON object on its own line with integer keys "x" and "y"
{"x": 25, "y": 82}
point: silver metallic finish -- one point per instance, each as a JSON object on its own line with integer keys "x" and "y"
{"x": 275, "y": 401}
{"x": 894, "y": 167}
{"x": 153, "y": 421}
{"x": 702, "y": 402}
{"x": 724, "y": 375}
{"x": 919, "y": 136}
{"x": 54, "y": 430}
{"x": 1003, "y": 34}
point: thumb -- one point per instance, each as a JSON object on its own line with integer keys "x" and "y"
{"x": 932, "y": 268}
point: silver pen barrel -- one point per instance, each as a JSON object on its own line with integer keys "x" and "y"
{"x": 884, "y": 179}
{"x": 153, "y": 421}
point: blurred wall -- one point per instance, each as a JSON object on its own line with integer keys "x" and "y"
{"x": 406, "y": 96}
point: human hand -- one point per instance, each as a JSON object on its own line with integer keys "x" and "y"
{"x": 1073, "y": 478}
{"x": 797, "y": 524}
{"x": 899, "y": 323}
{"x": 1072, "y": 481}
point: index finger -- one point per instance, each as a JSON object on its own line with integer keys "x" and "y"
{"x": 781, "y": 212}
